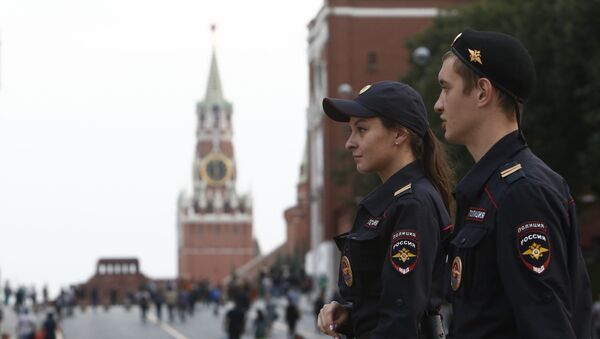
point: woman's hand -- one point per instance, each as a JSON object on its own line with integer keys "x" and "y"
{"x": 331, "y": 316}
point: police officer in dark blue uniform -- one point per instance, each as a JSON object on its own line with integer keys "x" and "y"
{"x": 516, "y": 267}
{"x": 392, "y": 261}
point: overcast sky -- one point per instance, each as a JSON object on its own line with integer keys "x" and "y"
{"x": 97, "y": 123}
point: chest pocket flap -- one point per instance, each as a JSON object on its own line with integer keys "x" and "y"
{"x": 469, "y": 236}
{"x": 339, "y": 240}
{"x": 362, "y": 235}
{"x": 365, "y": 250}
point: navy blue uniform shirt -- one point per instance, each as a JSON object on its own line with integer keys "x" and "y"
{"x": 516, "y": 266}
{"x": 392, "y": 262}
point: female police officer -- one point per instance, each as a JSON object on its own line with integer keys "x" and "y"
{"x": 392, "y": 260}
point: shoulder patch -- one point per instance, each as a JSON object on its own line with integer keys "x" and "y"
{"x": 404, "y": 190}
{"x": 512, "y": 172}
{"x": 404, "y": 250}
{"x": 533, "y": 245}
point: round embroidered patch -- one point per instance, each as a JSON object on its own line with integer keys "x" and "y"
{"x": 346, "y": 271}
{"x": 404, "y": 250}
{"x": 456, "y": 273}
{"x": 533, "y": 246}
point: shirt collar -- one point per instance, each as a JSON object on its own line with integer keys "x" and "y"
{"x": 472, "y": 183}
{"x": 378, "y": 200}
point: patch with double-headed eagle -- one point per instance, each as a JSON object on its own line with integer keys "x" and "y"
{"x": 533, "y": 245}
{"x": 404, "y": 250}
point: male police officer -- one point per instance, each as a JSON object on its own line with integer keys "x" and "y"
{"x": 516, "y": 267}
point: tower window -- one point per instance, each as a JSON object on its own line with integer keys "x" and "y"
{"x": 215, "y": 111}
{"x": 202, "y": 116}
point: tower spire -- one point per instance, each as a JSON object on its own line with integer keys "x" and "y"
{"x": 214, "y": 93}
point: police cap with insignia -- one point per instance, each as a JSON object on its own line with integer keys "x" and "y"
{"x": 499, "y": 57}
{"x": 390, "y": 99}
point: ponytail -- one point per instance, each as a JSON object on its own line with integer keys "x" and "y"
{"x": 431, "y": 153}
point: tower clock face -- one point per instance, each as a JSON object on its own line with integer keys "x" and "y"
{"x": 215, "y": 169}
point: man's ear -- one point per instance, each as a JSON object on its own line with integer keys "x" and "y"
{"x": 485, "y": 92}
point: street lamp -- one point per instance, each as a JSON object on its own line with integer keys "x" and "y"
{"x": 345, "y": 90}
{"x": 421, "y": 55}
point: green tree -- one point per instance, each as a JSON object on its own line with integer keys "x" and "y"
{"x": 562, "y": 119}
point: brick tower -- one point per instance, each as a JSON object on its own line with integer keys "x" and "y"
{"x": 214, "y": 226}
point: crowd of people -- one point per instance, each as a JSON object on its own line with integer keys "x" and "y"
{"x": 35, "y": 319}
{"x": 266, "y": 314}
{"x": 244, "y": 307}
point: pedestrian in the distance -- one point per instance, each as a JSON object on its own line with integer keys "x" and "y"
{"x": 1, "y": 318}
{"x": 7, "y": 292}
{"x": 25, "y": 324}
{"x": 50, "y": 326}
{"x": 260, "y": 325}
{"x": 292, "y": 315}
{"x": 144, "y": 302}
{"x": 171, "y": 300}
{"x": 270, "y": 312}
{"x": 235, "y": 320}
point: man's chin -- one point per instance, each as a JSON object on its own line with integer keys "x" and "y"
{"x": 451, "y": 138}
{"x": 363, "y": 170}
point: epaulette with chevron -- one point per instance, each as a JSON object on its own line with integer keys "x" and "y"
{"x": 404, "y": 190}
{"x": 512, "y": 172}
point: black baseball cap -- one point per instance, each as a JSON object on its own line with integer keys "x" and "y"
{"x": 390, "y": 99}
{"x": 499, "y": 57}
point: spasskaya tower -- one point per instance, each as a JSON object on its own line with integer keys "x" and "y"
{"x": 214, "y": 223}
